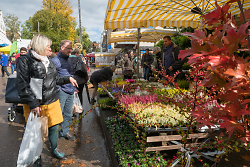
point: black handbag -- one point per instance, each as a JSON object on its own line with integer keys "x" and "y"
{"x": 11, "y": 95}
{"x": 81, "y": 69}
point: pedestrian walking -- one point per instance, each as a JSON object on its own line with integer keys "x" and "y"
{"x": 81, "y": 80}
{"x": 37, "y": 64}
{"x": 147, "y": 60}
{"x": 4, "y": 64}
{"x": 65, "y": 92}
{"x": 23, "y": 51}
{"x": 12, "y": 60}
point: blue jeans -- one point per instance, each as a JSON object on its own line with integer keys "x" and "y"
{"x": 66, "y": 101}
{"x": 146, "y": 71}
{"x": 13, "y": 68}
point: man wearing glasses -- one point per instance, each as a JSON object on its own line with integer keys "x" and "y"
{"x": 65, "y": 92}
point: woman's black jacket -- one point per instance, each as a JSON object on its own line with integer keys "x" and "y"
{"x": 31, "y": 67}
{"x": 104, "y": 74}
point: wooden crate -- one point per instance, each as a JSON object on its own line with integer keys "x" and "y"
{"x": 171, "y": 142}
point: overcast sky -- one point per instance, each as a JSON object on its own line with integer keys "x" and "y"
{"x": 92, "y": 13}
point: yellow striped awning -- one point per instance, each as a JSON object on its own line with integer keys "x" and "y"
{"x": 147, "y": 35}
{"x": 170, "y": 13}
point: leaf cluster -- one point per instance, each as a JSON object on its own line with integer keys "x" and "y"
{"x": 12, "y": 26}
{"x": 51, "y": 24}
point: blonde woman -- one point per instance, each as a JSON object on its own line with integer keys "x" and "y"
{"x": 37, "y": 64}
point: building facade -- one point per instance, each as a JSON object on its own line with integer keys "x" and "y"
{"x": 3, "y": 37}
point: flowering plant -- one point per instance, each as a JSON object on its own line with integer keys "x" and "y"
{"x": 155, "y": 114}
{"x": 101, "y": 91}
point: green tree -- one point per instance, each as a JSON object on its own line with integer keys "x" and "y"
{"x": 86, "y": 43}
{"x": 63, "y": 7}
{"x": 26, "y": 32}
{"x": 12, "y": 26}
{"x": 160, "y": 43}
{"x": 182, "y": 41}
{"x": 53, "y": 25}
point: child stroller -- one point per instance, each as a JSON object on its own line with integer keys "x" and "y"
{"x": 13, "y": 110}
{"x": 11, "y": 96}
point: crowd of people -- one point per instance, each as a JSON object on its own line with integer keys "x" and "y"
{"x": 60, "y": 83}
{"x": 164, "y": 60}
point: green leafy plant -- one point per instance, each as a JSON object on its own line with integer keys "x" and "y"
{"x": 186, "y": 66}
{"x": 183, "y": 84}
{"x": 106, "y": 104}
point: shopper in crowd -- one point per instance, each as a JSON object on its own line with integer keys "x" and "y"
{"x": 4, "y": 64}
{"x": 146, "y": 62}
{"x": 23, "y": 51}
{"x": 171, "y": 62}
{"x": 12, "y": 60}
{"x": 65, "y": 92}
{"x": 99, "y": 76}
{"x": 127, "y": 67}
{"x": 52, "y": 55}
{"x": 133, "y": 58}
{"x": 28, "y": 47}
{"x": 81, "y": 80}
{"x": 37, "y": 64}
{"x": 88, "y": 63}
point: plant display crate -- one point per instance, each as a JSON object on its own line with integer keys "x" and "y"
{"x": 167, "y": 139}
{"x": 170, "y": 142}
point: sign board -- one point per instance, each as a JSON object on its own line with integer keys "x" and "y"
{"x": 23, "y": 43}
{"x": 104, "y": 59}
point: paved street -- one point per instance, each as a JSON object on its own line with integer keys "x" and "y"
{"x": 88, "y": 149}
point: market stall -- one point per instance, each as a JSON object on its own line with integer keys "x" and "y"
{"x": 104, "y": 59}
{"x": 152, "y": 115}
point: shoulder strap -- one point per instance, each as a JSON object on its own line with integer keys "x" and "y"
{"x": 173, "y": 53}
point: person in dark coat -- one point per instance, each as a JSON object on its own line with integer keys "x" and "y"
{"x": 99, "y": 76}
{"x": 158, "y": 61}
{"x": 66, "y": 91}
{"x": 81, "y": 80}
{"x": 146, "y": 62}
{"x": 171, "y": 62}
{"x": 127, "y": 67}
{"x": 37, "y": 64}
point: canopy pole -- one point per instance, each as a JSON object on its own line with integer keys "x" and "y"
{"x": 138, "y": 51}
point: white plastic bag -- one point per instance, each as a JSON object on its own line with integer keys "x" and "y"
{"x": 32, "y": 144}
{"x": 77, "y": 106}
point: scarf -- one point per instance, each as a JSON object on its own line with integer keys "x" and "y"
{"x": 44, "y": 59}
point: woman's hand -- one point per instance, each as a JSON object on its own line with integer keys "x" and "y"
{"x": 37, "y": 110}
{"x": 73, "y": 81}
